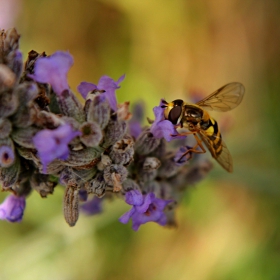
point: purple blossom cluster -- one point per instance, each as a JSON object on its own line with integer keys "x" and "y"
{"x": 95, "y": 150}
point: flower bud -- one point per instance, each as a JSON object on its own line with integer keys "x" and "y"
{"x": 9, "y": 51}
{"x": 161, "y": 150}
{"x": 48, "y": 120}
{"x": 104, "y": 161}
{"x": 71, "y": 106}
{"x": 9, "y": 42}
{"x": 7, "y": 153}
{"x": 8, "y": 104}
{"x": 114, "y": 175}
{"x": 16, "y": 64}
{"x": 24, "y": 136}
{"x": 151, "y": 163}
{"x": 122, "y": 151}
{"x": 5, "y": 128}
{"x": 97, "y": 185}
{"x": 146, "y": 143}
{"x": 29, "y": 154}
{"x": 26, "y": 93}
{"x": 9, "y": 176}
{"x": 79, "y": 177}
{"x": 169, "y": 168}
{"x": 82, "y": 157}
{"x": 98, "y": 110}
{"x": 151, "y": 186}
{"x": 24, "y": 116}
{"x": 114, "y": 131}
{"x": 149, "y": 169}
{"x": 7, "y": 78}
{"x": 91, "y": 134}
{"x": 53, "y": 168}
{"x": 129, "y": 185}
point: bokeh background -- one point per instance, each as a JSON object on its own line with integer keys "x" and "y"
{"x": 229, "y": 224}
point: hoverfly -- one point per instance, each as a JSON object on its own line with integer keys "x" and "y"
{"x": 197, "y": 120}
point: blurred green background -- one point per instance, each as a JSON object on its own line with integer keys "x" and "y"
{"x": 229, "y": 225}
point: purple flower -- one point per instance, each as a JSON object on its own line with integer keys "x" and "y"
{"x": 106, "y": 85}
{"x": 162, "y": 128}
{"x": 7, "y": 156}
{"x": 53, "y": 144}
{"x": 93, "y": 206}
{"x": 12, "y": 208}
{"x": 145, "y": 209}
{"x": 53, "y": 70}
{"x": 180, "y": 158}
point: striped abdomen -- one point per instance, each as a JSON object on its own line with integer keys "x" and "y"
{"x": 211, "y": 131}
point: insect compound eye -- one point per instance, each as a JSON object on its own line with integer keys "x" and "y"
{"x": 175, "y": 114}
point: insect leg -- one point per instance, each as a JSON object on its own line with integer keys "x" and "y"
{"x": 194, "y": 148}
{"x": 183, "y": 134}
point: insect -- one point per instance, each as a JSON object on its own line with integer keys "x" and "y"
{"x": 204, "y": 128}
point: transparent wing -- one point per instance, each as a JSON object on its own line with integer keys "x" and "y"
{"x": 224, "y": 99}
{"x": 223, "y": 157}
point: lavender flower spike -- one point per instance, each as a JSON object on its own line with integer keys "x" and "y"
{"x": 53, "y": 70}
{"x": 12, "y": 208}
{"x": 53, "y": 144}
{"x": 106, "y": 84}
{"x": 145, "y": 209}
{"x": 162, "y": 128}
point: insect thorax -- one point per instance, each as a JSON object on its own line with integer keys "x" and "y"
{"x": 193, "y": 114}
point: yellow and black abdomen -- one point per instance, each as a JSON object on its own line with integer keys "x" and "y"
{"x": 211, "y": 130}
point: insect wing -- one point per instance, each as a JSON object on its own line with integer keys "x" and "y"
{"x": 224, "y": 99}
{"x": 223, "y": 158}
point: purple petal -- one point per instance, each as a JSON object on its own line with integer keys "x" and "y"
{"x": 93, "y": 206}
{"x": 152, "y": 210}
{"x": 162, "y": 220}
{"x": 121, "y": 78}
{"x": 159, "y": 113}
{"x": 84, "y": 88}
{"x": 136, "y": 224}
{"x": 57, "y": 143}
{"x": 12, "y": 208}
{"x": 54, "y": 70}
{"x": 147, "y": 201}
{"x": 109, "y": 85}
{"x": 126, "y": 216}
{"x": 161, "y": 203}
{"x": 134, "y": 197}
{"x": 164, "y": 129}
